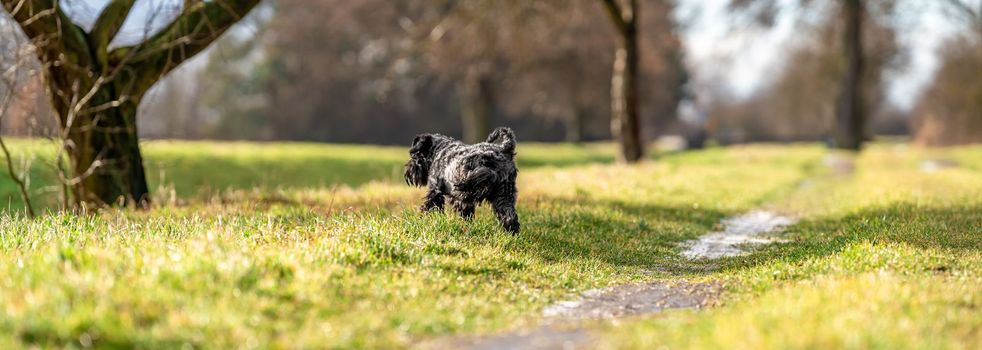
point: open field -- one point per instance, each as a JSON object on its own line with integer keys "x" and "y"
{"x": 311, "y": 246}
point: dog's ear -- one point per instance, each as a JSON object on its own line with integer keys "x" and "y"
{"x": 418, "y": 167}
{"x": 422, "y": 145}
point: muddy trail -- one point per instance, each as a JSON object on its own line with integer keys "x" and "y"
{"x": 565, "y": 324}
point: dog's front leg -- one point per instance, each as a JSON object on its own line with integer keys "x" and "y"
{"x": 465, "y": 209}
{"x": 433, "y": 200}
{"x": 504, "y": 209}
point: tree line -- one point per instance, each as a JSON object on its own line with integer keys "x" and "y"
{"x": 381, "y": 71}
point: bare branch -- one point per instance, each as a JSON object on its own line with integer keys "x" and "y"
{"x": 616, "y": 14}
{"x": 186, "y": 36}
{"x": 44, "y": 18}
{"x": 972, "y": 15}
{"x": 962, "y": 7}
{"x": 107, "y": 26}
{"x": 21, "y": 184}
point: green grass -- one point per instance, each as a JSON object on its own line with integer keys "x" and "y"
{"x": 313, "y": 246}
{"x": 200, "y": 170}
{"x": 889, "y": 257}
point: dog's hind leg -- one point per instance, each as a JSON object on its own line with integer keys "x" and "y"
{"x": 465, "y": 209}
{"x": 433, "y": 201}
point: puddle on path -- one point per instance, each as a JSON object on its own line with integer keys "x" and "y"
{"x": 738, "y": 231}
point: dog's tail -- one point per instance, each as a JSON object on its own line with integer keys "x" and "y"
{"x": 507, "y": 138}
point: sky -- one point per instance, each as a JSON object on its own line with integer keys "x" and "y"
{"x": 718, "y": 50}
{"x": 743, "y": 57}
{"x": 145, "y": 17}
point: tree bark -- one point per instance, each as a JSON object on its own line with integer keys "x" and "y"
{"x": 107, "y": 164}
{"x": 850, "y": 118}
{"x": 96, "y": 91}
{"x": 477, "y": 106}
{"x": 625, "y": 124}
{"x": 574, "y": 126}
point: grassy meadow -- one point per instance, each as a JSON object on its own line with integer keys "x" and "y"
{"x": 320, "y": 246}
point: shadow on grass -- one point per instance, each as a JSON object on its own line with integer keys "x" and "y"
{"x": 957, "y": 228}
{"x": 204, "y": 174}
{"x": 614, "y": 232}
{"x": 648, "y": 236}
{"x": 191, "y": 174}
{"x": 580, "y": 231}
{"x": 585, "y": 233}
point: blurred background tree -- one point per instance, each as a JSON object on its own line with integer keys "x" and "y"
{"x": 950, "y": 110}
{"x": 383, "y": 71}
{"x": 802, "y": 101}
{"x": 852, "y": 20}
{"x": 377, "y": 71}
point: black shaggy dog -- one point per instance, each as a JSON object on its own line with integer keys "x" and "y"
{"x": 467, "y": 174}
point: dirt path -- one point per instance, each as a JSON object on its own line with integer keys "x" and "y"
{"x": 633, "y": 299}
{"x": 738, "y": 232}
{"x": 565, "y": 324}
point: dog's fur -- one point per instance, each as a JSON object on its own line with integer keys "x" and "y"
{"x": 467, "y": 174}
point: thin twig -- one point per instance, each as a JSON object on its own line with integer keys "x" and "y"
{"x": 21, "y": 184}
{"x": 17, "y": 179}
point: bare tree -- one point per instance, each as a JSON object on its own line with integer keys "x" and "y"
{"x": 464, "y": 42}
{"x": 850, "y": 113}
{"x": 566, "y": 72}
{"x": 799, "y": 104}
{"x": 625, "y": 123}
{"x": 382, "y": 71}
{"x": 849, "y": 130}
{"x": 949, "y": 112}
{"x": 95, "y": 89}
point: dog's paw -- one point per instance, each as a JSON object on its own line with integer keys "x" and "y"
{"x": 512, "y": 226}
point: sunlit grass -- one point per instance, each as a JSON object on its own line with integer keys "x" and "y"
{"x": 313, "y": 246}
{"x": 197, "y": 170}
{"x": 864, "y": 310}
{"x": 889, "y": 257}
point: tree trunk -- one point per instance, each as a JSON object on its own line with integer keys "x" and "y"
{"x": 574, "y": 125}
{"x": 106, "y": 162}
{"x": 625, "y": 123}
{"x": 96, "y": 89}
{"x": 477, "y": 106}
{"x": 850, "y": 119}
